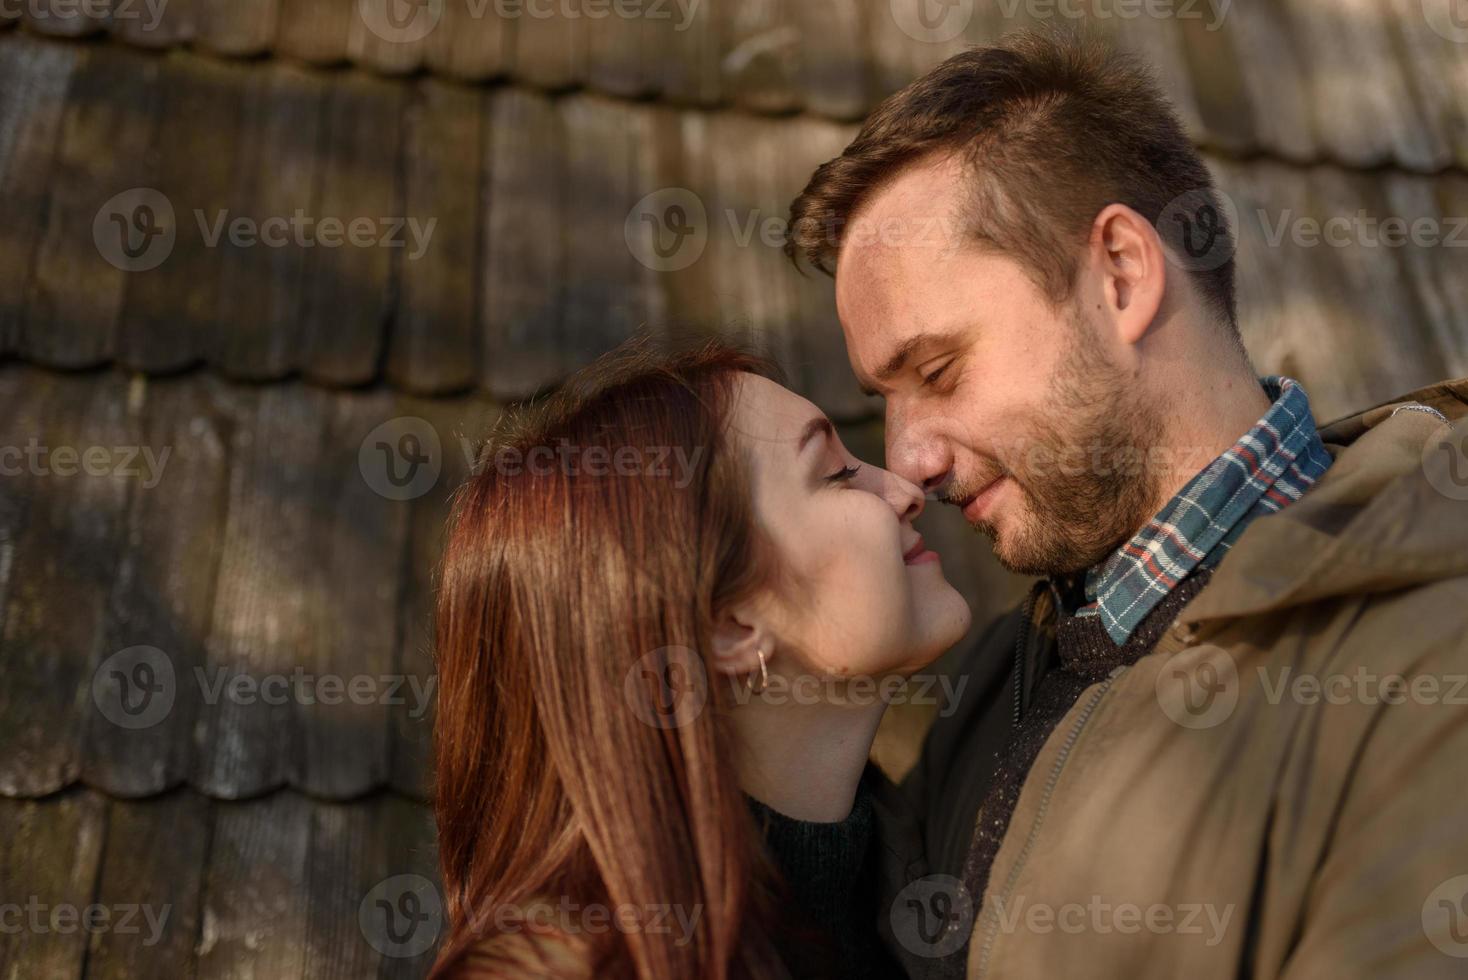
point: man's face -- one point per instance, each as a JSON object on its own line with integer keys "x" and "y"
{"x": 1004, "y": 404}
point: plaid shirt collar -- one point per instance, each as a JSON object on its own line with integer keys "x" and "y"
{"x": 1265, "y": 471}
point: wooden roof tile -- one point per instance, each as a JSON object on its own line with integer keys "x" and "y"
{"x": 262, "y": 290}
{"x": 349, "y": 287}
{"x": 155, "y": 24}
{"x": 63, "y": 18}
{"x": 170, "y": 313}
{"x": 358, "y": 546}
{"x": 1363, "y": 106}
{"x": 524, "y": 261}
{"x": 1273, "y": 72}
{"x": 277, "y": 886}
{"x": 238, "y": 28}
{"x": 34, "y": 80}
{"x": 435, "y": 337}
{"x": 833, "y": 83}
{"x": 65, "y": 552}
{"x": 469, "y": 45}
{"x": 107, "y": 141}
{"x": 162, "y": 592}
{"x": 314, "y": 31}
{"x": 156, "y": 857}
{"x": 759, "y": 55}
{"x": 550, "y": 45}
{"x": 52, "y": 848}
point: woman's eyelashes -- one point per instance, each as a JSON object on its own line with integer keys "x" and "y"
{"x": 843, "y": 474}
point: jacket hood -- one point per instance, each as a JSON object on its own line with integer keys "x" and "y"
{"x": 1391, "y": 512}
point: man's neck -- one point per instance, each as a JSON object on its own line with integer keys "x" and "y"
{"x": 1206, "y": 420}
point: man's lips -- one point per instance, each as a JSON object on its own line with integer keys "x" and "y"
{"x": 976, "y": 506}
{"x": 919, "y": 554}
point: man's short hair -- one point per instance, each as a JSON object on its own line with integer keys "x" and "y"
{"x": 1052, "y": 129}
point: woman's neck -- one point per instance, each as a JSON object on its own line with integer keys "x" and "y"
{"x": 805, "y": 759}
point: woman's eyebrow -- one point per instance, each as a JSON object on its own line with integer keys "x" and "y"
{"x": 820, "y": 425}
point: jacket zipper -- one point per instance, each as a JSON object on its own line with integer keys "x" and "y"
{"x": 1060, "y": 760}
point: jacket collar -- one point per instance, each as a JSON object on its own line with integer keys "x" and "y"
{"x": 1375, "y": 522}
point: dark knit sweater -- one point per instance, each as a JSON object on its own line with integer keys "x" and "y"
{"x": 1086, "y": 655}
{"x": 832, "y": 923}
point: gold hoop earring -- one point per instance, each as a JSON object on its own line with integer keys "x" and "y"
{"x": 764, "y": 675}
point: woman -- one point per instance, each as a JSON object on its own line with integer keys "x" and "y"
{"x": 657, "y": 593}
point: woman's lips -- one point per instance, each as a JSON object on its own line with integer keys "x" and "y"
{"x": 919, "y": 554}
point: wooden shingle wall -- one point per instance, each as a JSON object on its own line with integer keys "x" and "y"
{"x": 536, "y": 155}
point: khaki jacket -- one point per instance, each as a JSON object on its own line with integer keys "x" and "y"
{"x": 1280, "y": 790}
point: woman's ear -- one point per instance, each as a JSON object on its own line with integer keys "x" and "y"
{"x": 738, "y": 639}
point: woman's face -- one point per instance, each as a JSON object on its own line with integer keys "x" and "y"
{"x": 857, "y": 593}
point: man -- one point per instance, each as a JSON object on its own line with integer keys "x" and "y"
{"x": 1225, "y": 736}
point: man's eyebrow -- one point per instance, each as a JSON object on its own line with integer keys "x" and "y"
{"x": 820, "y": 425}
{"x": 905, "y": 350}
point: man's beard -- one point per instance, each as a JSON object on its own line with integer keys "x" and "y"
{"x": 1083, "y": 474}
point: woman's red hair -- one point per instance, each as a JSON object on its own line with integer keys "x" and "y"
{"x": 565, "y": 599}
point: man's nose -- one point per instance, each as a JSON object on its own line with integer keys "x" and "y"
{"x": 920, "y": 460}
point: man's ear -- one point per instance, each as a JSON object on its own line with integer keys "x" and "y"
{"x": 1129, "y": 253}
{"x": 738, "y": 639}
